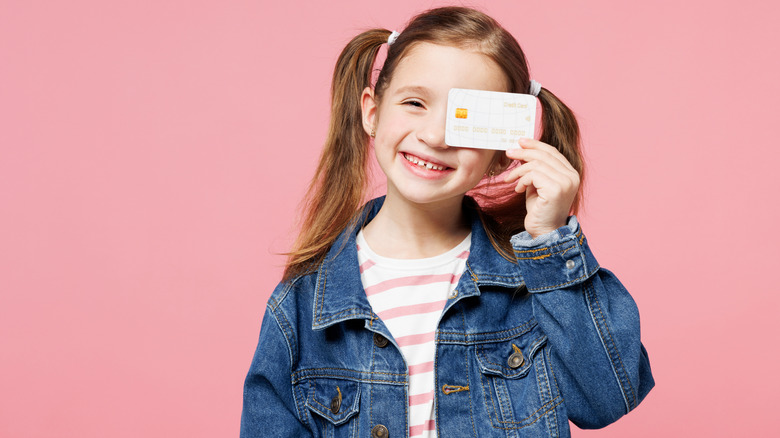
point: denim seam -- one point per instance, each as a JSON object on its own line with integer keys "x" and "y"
{"x": 544, "y": 408}
{"x": 486, "y": 395}
{"x": 435, "y": 388}
{"x": 300, "y": 400}
{"x": 335, "y": 376}
{"x": 468, "y": 378}
{"x": 287, "y": 335}
{"x": 275, "y": 303}
{"x": 543, "y": 380}
{"x": 546, "y": 353}
{"x": 321, "y": 290}
{"x": 568, "y": 283}
{"x": 604, "y": 332}
{"x": 553, "y": 249}
{"x": 544, "y": 256}
{"x": 502, "y": 393}
{"x": 510, "y": 333}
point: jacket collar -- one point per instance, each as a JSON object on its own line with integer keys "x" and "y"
{"x": 339, "y": 293}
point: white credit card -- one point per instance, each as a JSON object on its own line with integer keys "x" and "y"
{"x": 488, "y": 119}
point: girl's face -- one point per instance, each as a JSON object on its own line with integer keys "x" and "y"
{"x": 409, "y": 125}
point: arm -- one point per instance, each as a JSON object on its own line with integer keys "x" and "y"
{"x": 269, "y": 406}
{"x": 592, "y": 324}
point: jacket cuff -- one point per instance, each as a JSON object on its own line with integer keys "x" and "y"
{"x": 554, "y": 260}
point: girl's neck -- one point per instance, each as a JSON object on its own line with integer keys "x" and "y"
{"x": 406, "y": 230}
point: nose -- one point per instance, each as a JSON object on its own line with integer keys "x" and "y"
{"x": 431, "y": 130}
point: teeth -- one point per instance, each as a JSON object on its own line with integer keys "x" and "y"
{"x": 422, "y": 163}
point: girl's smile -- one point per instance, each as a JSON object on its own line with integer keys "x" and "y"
{"x": 409, "y": 124}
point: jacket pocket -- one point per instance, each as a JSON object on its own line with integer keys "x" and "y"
{"x": 516, "y": 383}
{"x": 336, "y": 403}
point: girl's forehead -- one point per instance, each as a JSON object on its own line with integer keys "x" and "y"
{"x": 443, "y": 67}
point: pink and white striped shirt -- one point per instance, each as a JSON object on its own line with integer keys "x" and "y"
{"x": 409, "y": 295}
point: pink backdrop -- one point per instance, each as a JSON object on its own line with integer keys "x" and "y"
{"x": 152, "y": 154}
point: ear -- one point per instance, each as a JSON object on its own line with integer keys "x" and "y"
{"x": 368, "y": 105}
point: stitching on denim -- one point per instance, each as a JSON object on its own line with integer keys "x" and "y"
{"x": 522, "y": 329}
{"x": 543, "y": 382}
{"x": 287, "y": 336}
{"x": 567, "y": 241}
{"x": 619, "y": 373}
{"x": 553, "y": 413}
{"x": 536, "y": 413}
{"x": 507, "y": 413}
{"x": 488, "y": 397}
{"x": 283, "y": 293}
{"x": 324, "y": 275}
{"x": 336, "y": 376}
{"x": 468, "y": 379}
{"x": 309, "y": 370}
{"x": 436, "y": 406}
{"x": 568, "y": 283}
{"x": 335, "y": 316}
{"x": 300, "y": 399}
{"x": 544, "y": 256}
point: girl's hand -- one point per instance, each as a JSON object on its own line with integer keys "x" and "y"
{"x": 550, "y": 184}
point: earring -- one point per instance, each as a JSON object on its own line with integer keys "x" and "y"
{"x": 492, "y": 173}
{"x": 373, "y": 133}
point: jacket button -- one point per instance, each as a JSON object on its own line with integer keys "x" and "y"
{"x": 515, "y": 360}
{"x": 380, "y": 341}
{"x": 570, "y": 264}
{"x": 335, "y": 403}
{"x": 379, "y": 431}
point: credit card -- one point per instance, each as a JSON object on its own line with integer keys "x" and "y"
{"x": 488, "y": 119}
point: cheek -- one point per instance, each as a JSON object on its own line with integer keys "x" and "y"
{"x": 482, "y": 160}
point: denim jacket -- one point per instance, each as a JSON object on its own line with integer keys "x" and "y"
{"x": 521, "y": 348}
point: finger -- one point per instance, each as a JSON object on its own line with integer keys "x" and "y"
{"x": 530, "y": 143}
{"x": 554, "y": 160}
{"x": 563, "y": 177}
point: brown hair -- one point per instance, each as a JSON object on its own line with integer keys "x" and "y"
{"x": 339, "y": 186}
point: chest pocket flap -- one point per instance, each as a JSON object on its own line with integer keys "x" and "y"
{"x": 510, "y": 359}
{"x": 336, "y": 400}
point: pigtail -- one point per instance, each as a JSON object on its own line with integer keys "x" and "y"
{"x": 560, "y": 129}
{"x": 340, "y": 182}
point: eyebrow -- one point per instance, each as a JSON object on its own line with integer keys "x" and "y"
{"x": 413, "y": 89}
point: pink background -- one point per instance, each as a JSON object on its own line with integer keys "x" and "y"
{"x": 152, "y": 154}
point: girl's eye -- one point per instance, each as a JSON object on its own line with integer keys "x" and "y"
{"x": 414, "y": 103}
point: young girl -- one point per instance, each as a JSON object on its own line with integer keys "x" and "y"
{"x": 466, "y": 302}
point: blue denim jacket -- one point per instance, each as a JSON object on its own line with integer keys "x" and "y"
{"x": 522, "y": 348}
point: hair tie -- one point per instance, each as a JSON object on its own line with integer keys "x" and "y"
{"x": 393, "y": 36}
{"x": 535, "y": 88}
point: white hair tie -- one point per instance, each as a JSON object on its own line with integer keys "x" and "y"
{"x": 393, "y": 36}
{"x": 535, "y": 88}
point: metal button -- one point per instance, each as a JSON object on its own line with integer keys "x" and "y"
{"x": 454, "y": 294}
{"x": 379, "y": 431}
{"x": 335, "y": 403}
{"x": 570, "y": 264}
{"x": 515, "y": 360}
{"x": 380, "y": 341}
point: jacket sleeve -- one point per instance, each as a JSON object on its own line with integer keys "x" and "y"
{"x": 269, "y": 405}
{"x": 591, "y": 323}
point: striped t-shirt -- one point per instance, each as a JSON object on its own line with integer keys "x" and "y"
{"x": 409, "y": 295}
